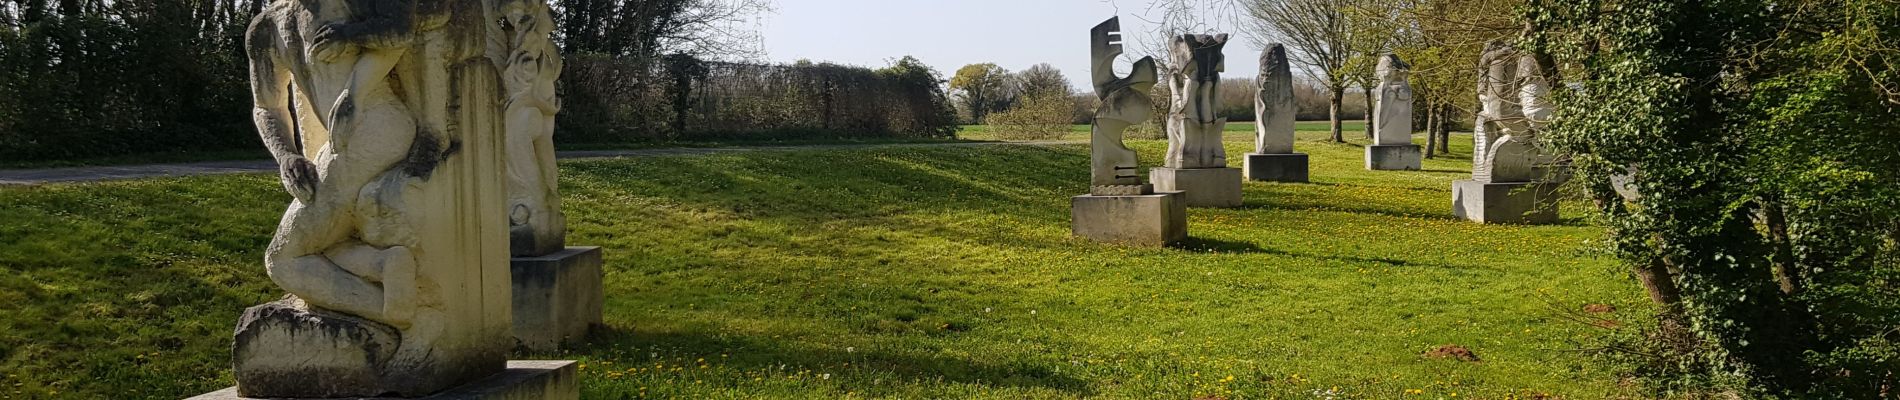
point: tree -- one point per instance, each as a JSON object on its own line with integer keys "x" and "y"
{"x": 979, "y": 88}
{"x": 1042, "y": 80}
{"x": 1741, "y": 154}
{"x": 1320, "y": 37}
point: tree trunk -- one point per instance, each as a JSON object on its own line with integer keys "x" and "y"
{"x": 1776, "y": 220}
{"x": 1338, "y": 101}
{"x": 1369, "y": 116}
{"x": 1444, "y": 128}
{"x": 1431, "y": 129}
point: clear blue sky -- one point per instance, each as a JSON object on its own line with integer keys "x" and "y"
{"x": 1014, "y": 34}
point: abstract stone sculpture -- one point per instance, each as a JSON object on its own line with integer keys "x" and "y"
{"x": 1119, "y": 208}
{"x": 1273, "y": 158}
{"x": 1196, "y": 162}
{"x": 1125, "y": 103}
{"x": 1392, "y": 147}
{"x": 385, "y": 117}
{"x": 529, "y": 70}
{"x": 1512, "y": 181}
{"x": 1194, "y": 122}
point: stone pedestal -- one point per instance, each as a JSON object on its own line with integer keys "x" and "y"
{"x": 523, "y": 380}
{"x": 1157, "y": 219}
{"x": 1505, "y": 203}
{"x": 1205, "y": 187}
{"x": 557, "y": 297}
{"x": 1401, "y": 157}
{"x": 1276, "y": 167}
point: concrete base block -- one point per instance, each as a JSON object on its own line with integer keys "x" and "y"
{"x": 523, "y": 380}
{"x": 1205, "y": 187}
{"x": 1402, "y": 157}
{"x": 1276, "y": 167}
{"x": 557, "y": 297}
{"x": 1158, "y": 219}
{"x": 1505, "y": 203}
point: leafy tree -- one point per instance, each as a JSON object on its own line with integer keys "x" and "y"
{"x": 1042, "y": 80}
{"x": 980, "y": 89}
{"x": 1742, "y": 154}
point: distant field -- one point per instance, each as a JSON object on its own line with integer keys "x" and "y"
{"x": 1080, "y": 132}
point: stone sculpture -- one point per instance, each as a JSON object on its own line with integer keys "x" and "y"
{"x": 1119, "y": 208}
{"x": 1196, "y": 162}
{"x": 529, "y": 72}
{"x": 1273, "y": 158}
{"x": 1194, "y": 125}
{"x": 557, "y": 290}
{"x": 1125, "y": 103}
{"x": 1512, "y": 181}
{"x": 385, "y": 119}
{"x": 1392, "y": 147}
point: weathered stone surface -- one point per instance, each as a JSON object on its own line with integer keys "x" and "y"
{"x": 1394, "y": 111}
{"x": 522, "y": 380}
{"x": 1158, "y": 219}
{"x": 1122, "y": 190}
{"x": 529, "y": 71}
{"x": 1505, "y": 203}
{"x": 1125, "y": 102}
{"x": 1406, "y": 157}
{"x": 1276, "y": 167}
{"x": 343, "y": 356}
{"x": 1273, "y": 107}
{"x": 1194, "y": 123}
{"x": 395, "y": 163}
{"x": 557, "y": 297}
{"x": 1205, "y": 187}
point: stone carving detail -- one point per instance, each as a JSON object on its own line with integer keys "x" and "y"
{"x": 529, "y": 71}
{"x": 1194, "y": 125}
{"x": 1273, "y": 106}
{"x": 1515, "y": 105}
{"x": 383, "y": 116}
{"x": 1394, "y": 110}
{"x": 1125, "y": 102}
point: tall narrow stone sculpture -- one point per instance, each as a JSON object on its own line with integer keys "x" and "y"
{"x": 1196, "y": 162}
{"x": 392, "y": 249}
{"x": 1512, "y": 181}
{"x": 1392, "y": 147}
{"x": 557, "y": 290}
{"x": 1119, "y": 208}
{"x": 1273, "y": 158}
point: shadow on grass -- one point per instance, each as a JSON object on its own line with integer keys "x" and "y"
{"x": 1206, "y": 245}
{"x": 747, "y": 353}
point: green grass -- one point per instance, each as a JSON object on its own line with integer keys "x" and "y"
{"x": 893, "y": 272}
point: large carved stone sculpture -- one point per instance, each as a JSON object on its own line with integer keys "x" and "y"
{"x": 1125, "y": 103}
{"x": 1392, "y": 147}
{"x": 1119, "y": 208}
{"x": 1196, "y": 162}
{"x": 1512, "y": 181}
{"x": 1273, "y": 158}
{"x": 384, "y": 118}
{"x": 529, "y": 72}
{"x": 557, "y": 290}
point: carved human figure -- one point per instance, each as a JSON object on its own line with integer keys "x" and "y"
{"x": 384, "y": 118}
{"x": 1125, "y": 103}
{"x": 1273, "y": 105}
{"x": 1514, "y": 97}
{"x": 1194, "y": 122}
{"x": 1394, "y": 113}
{"x": 529, "y": 72}
{"x": 341, "y": 245}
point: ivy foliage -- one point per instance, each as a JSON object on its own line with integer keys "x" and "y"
{"x": 1748, "y": 152}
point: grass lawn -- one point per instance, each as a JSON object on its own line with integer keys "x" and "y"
{"x": 1352, "y": 129}
{"x": 895, "y": 272}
